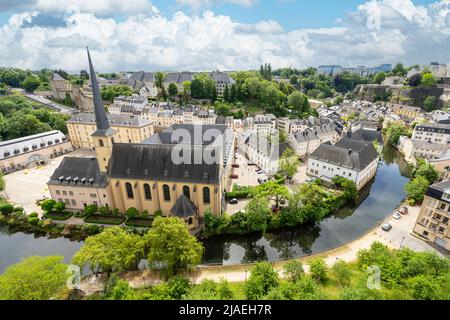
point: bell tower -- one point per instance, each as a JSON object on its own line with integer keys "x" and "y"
{"x": 104, "y": 135}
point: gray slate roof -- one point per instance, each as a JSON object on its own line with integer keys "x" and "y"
{"x": 81, "y": 168}
{"x": 347, "y": 153}
{"x": 366, "y": 135}
{"x": 184, "y": 208}
{"x": 119, "y": 120}
{"x": 154, "y": 162}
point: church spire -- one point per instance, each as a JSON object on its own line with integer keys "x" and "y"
{"x": 101, "y": 120}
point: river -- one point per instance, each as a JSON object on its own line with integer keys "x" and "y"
{"x": 385, "y": 194}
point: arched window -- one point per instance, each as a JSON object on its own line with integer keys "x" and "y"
{"x": 129, "y": 190}
{"x": 166, "y": 192}
{"x": 147, "y": 191}
{"x": 187, "y": 191}
{"x": 190, "y": 221}
{"x": 206, "y": 195}
{"x": 100, "y": 142}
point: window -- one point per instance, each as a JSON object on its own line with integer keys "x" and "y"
{"x": 147, "y": 191}
{"x": 129, "y": 190}
{"x": 70, "y": 193}
{"x": 65, "y": 193}
{"x": 166, "y": 192}
{"x": 67, "y": 201}
{"x": 442, "y": 207}
{"x": 100, "y": 142}
{"x": 74, "y": 203}
{"x": 58, "y": 192}
{"x": 206, "y": 195}
{"x": 93, "y": 195}
{"x": 187, "y": 192}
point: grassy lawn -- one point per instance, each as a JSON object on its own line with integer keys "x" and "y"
{"x": 99, "y": 219}
{"x": 139, "y": 222}
{"x": 59, "y": 216}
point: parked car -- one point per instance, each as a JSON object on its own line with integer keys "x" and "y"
{"x": 386, "y": 227}
{"x": 397, "y": 216}
{"x": 234, "y": 201}
{"x": 251, "y": 164}
{"x": 403, "y": 210}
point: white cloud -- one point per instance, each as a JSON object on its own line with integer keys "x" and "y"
{"x": 376, "y": 32}
{"x": 98, "y": 7}
{"x": 198, "y": 4}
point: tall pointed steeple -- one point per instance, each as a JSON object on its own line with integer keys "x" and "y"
{"x": 103, "y": 128}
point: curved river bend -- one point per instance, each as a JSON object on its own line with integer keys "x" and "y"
{"x": 385, "y": 194}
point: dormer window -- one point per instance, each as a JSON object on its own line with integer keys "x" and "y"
{"x": 34, "y": 147}
{"x": 16, "y": 151}
{"x": 50, "y": 143}
{"x": 83, "y": 181}
{"x": 446, "y": 195}
{"x": 26, "y": 149}
{"x": 57, "y": 141}
{"x": 68, "y": 179}
{"x": 42, "y": 144}
{"x": 91, "y": 181}
{"x": 6, "y": 154}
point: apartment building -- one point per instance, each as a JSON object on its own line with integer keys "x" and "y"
{"x": 352, "y": 159}
{"x": 433, "y": 221}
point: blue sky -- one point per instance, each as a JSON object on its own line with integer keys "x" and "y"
{"x": 223, "y": 34}
{"x": 290, "y": 14}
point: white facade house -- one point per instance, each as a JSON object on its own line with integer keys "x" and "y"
{"x": 307, "y": 141}
{"x": 432, "y": 132}
{"x": 352, "y": 159}
{"x": 263, "y": 124}
{"x": 259, "y": 150}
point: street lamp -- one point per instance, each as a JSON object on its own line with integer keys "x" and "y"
{"x": 401, "y": 244}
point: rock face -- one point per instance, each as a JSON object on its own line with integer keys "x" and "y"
{"x": 413, "y": 96}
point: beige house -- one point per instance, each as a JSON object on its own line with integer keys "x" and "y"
{"x": 433, "y": 221}
{"x": 130, "y": 129}
{"x": 32, "y": 150}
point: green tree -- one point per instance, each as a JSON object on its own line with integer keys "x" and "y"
{"x": 294, "y": 270}
{"x": 132, "y": 213}
{"x": 31, "y": 83}
{"x": 226, "y": 94}
{"x": 379, "y": 77}
{"x": 342, "y": 273}
{"x": 425, "y": 287}
{"x": 262, "y": 279}
{"x": 111, "y": 92}
{"x": 159, "y": 79}
{"x": 6, "y": 209}
{"x": 399, "y": 70}
{"x": 210, "y": 290}
{"x": 429, "y": 103}
{"x": 256, "y": 215}
{"x": 415, "y": 189}
{"x": 59, "y": 207}
{"x": 35, "y": 278}
{"x": 360, "y": 291}
{"x": 272, "y": 191}
{"x": 171, "y": 245}
{"x": 48, "y": 205}
{"x": 428, "y": 80}
{"x": 173, "y": 89}
{"x": 289, "y": 163}
{"x": 426, "y": 170}
{"x": 233, "y": 93}
{"x": 318, "y": 270}
{"x": 394, "y": 131}
{"x": 298, "y": 102}
{"x": 186, "y": 91}
{"x": 113, "y": 250}
{"x": 414, "y": 80}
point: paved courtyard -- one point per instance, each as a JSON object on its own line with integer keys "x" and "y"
{"x": 24, "y": 187}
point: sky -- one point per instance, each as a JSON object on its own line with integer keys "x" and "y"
{"x": 176, "y": 35}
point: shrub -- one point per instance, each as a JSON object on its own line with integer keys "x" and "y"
{"x": 104, "y": 210}
{"x": 262, "y": 279}
{"x": 34, "y": 215}
{"x": 158, "y": 213}
{"x": 294, "y": 270}
{"x": 48, "y": 205}
{"x": 342, "y": 273}
{"x": 33, "y": 220}
{"x": 116, "y": 212}
{"x": 18, "y": 209}
{"x": 318, "y": 270}
{"x": 132, "y": 212}
{"x": 90, "y": 209}
{"x": 91, "y": 229}
{"x": 6, "y": 209}
{"x": 59, "y": 207}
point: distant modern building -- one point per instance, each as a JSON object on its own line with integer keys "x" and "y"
{"x": 352, "y": 159}
{"x": 433, "y": 221}
{"x": 32, "y": 150}
{"x": 363, "y": 71}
